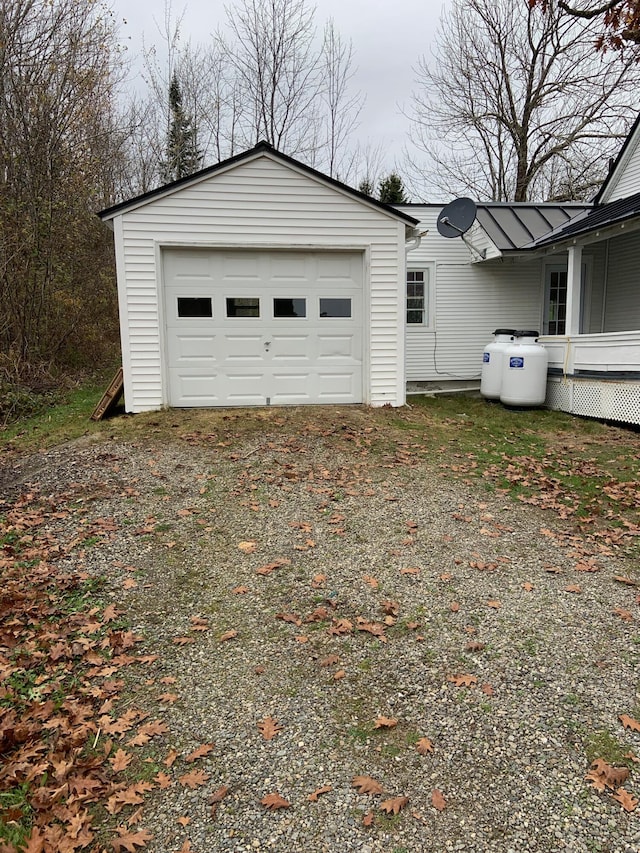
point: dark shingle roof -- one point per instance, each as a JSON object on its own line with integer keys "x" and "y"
{"x": 597, "y": 218}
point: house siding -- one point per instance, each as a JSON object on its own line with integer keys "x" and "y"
{"x": 258, "y": 203}
{"x": 627, "y": 181}
{"x": 623, "y": 285}
{"x": 471, "y": 301}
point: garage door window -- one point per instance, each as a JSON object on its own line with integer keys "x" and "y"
{"x": 335, "y": 307}
{"x": 243, "y": 306}
{"x": 194, "y": 306}
{"x": 289, "y": 308}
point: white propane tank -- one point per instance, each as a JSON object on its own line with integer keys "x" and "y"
{"x": 491, "y": 379}
{"x": 524, "y": 371}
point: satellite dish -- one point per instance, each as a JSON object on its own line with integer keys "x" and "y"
{"x": 457, "y": 217}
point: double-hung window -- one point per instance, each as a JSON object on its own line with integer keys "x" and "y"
{"x": 418, "y": 297}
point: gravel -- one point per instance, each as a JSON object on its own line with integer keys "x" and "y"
{"x": 354, "y": 528}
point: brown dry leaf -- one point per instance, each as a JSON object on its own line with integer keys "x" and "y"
{"x": 168, "y": 698}
{"x": 171, "y": 757}
{"x": 184, "y": 821}
{"x": 274, "y": 801}
{"x": 424, "y": 746}
{"x": 366, "y": 785}
{"x": 183, "y": 641}
{"x": 186, "y": 847}
{"x": 193, "y": 779}
{"x": 437, "y": 800}
{"x": 289, "y": 617}
{"x": 626, "y": 799}
{"x": 603, "y": 773}
{"x": 313, "y": 798}
{"x": 629, "y": 722}
{"x": 463, "y": 680}
{"x": 385, "y": 723}
{"x": 390, "y": 608}
{"x": 412, "y": 571}
{"x": 247, "y": 547}
{"x": 487, "y": 689}
{"x": 219, "y": 795}
{"x": 302, "y": 639}
{"x": 368, "y": 819}
{"x": 162, "y": 780}
{"x": 495, "y": 604}
{"x": 318, "y": 581}
{"x": 340, "y": 626}
{"x": 573, "y": 587}
{"x": 228, "y": 635}
{"x": 269, "y": 728}
{"x": 129, "y": 583}
{"x": 372, "y": 582}
{"x": 120, "y": 760}
{"x": 528, "y": 586}
{"x": 625, "y": 580}
{"x": 454, "y": 607}
{"x": 200, "y": 752}
{"x": 330, "y": 660}
{"x": 394, "y": 805}
{"x": 130, "y": 841}
{"x": 339, "y": 675}
{"x": 626, "y": 615}
{"x": 240, "y": 590}
{"x": 475, "y": 646}
{"x": 270, "y": 567}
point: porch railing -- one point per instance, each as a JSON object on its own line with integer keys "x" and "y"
{"x": 608, "y": 352}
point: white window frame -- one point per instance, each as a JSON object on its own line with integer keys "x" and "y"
{"x": 428, "y": 271}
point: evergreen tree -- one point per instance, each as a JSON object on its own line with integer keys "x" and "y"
{"x": 391, "y": 190}
{"x": 183, "y": 157}
{"x": 365, "y": 186}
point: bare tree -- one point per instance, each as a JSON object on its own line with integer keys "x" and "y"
{"x": 58, "y": 164}
{"x": 619, "y": 20}
{"x": 278, "y": 71}
{"x": 516, "y": 105}
{"x": 342, "y": 108}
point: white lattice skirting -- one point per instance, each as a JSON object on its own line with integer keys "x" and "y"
{"x": 595, "y": 398}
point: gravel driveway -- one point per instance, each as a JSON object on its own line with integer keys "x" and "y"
{"x": 365, "y": 585}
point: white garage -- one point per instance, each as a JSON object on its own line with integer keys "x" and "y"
{"x": 260, "y": 282}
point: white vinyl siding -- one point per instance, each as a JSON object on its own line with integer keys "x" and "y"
{"x": 623, "y": 285}
{"x": 471, "y": 300}
{"x": 259, "y": 203}
{"x": 627, "y": 180}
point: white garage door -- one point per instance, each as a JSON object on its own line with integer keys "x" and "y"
{"x": 253, "y": 328}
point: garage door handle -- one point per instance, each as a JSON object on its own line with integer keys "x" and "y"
{"x": 267, "y": 344}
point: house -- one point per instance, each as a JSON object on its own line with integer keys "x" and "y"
{"x": 260, "y": 281}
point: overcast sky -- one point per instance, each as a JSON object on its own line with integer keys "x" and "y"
{"x": 388, "y": 39}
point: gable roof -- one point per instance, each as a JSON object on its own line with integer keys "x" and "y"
{"x": 628, "y": 146}
{"x": 261, "y": 149}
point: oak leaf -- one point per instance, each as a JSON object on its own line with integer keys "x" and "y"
{"x": 228, "y": 635}
{"x": 603, "y": 773}
{"x": 247, "y": 547}
{"x": 527, "y": 586}
{"x": 269, "y": 728}
{"x": 313, "y": 798}
{"x": 274, "y": 801}
{"x": 372, "y": 582}
{"x": 339, "y": 675}
{"x": 626, "y": 615}
{"x": 424, "y": 746}
{"x": 340, "y": 626}
{"x": 193, "y": 779}
{"x": 626, "y": 799}
{"x": 368, "y": 818}
{"x": 463, "y": 679}
{"x": 495, "y": 604}
{"x": 330, "y": 660}
{"x": 240, "y": 590}
{"x": 200, "y": 752}
{"x": 573, "y": 587}
{"x": 629, "y": 723}
{"x": 120, "y": 760}
{"x": 394, "y": 805}
{"x": 385, "y": 723}
{"x": 289, "y": 617}
{"x": 130, "y": 841}
{"x": 437, "y": 800}
{"x": 162, "y": 780}
{"x": 366, "y": 785}
{"x": 625, "y": 580}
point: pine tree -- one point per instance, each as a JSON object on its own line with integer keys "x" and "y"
{"x": 183, "y": 157}
{"x": 391, "y": 190}
{"x": 365, "y": 186}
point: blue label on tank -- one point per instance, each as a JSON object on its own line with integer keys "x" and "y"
{"x": 516, "y": 361}
{"x": 486, "y": 357}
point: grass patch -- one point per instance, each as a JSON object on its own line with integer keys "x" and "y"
{"x": 602, "y": 744}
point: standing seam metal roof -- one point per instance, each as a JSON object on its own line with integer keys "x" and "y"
{"x": 513, "y": 226}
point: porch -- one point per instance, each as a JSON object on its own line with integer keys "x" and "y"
{"x": 595, "y": 375}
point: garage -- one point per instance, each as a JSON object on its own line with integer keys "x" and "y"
{"x": 247, "y": 328}
{"x": 260, "y": 281}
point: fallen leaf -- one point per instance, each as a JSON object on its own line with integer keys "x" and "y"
{"x": 129, "y": 583}
{"x": 629, "y": 723}
{"x": 184, "y": 821}
{"x": 200, "y": 752}
{"x": 475, "y": 646}
{"x": 424, "y": 746}
{"x": 366, "y": 785}
{"x": 129, "y": 841}
{"x": 626, "y": 615}
{"x": 193, "y": 779}
{"x": 412, "y": 571}
{"x": 313, "y": 798}
{"x": 602, "y": 774}
{"x": 368, "y": 818}
{"x": 528, "y": 586}
{"x": 247, "y": 547}
{"x": 120, "y": 760}
{"x": 437, "y": 800}
{"x": 228, "y": 635}
{"x": 495, "y": 604}
{"x": 573, "y": 587}
{"x": 269, "y": 728}
{"x": 339, "y": 675}
{"x": 625, "y": 580}
{"x": 240, "y": 590}
{"x": 330, "y": 660}
{"x": 454, "y": 607}
{"x": 274, "y": 801}
{"x": 372, "y": 582}
{"x": 385, "y": 723}
{"x": 394, "y": 805}
{"x": 463, "y": 680}
{"x": 626, "y": 799}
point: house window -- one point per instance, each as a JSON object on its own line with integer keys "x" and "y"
{"x": 242, "y": 306}
{"x": 417, "y": 297}
{"x": 557, "y": 302}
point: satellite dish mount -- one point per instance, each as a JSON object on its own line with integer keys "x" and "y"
{"x": 456, "y": 218}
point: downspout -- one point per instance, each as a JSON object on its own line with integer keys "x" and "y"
{"x": 414, "y": 242}
{"x": 605, "y": 286}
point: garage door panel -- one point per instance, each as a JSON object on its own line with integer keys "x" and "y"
{"x": 264, "y": 328}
